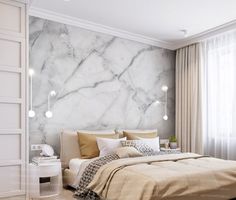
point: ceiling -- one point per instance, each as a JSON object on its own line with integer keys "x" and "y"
{"x": 158, "y": 20}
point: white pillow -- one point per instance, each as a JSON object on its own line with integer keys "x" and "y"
{"x": 108, "y": 146}
{"x": 153, "y": 143}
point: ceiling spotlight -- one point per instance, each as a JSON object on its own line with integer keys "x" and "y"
{"x": 66, "y": 0}
{"x": 185, "y": 32}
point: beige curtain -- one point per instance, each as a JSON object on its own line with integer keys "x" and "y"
{"x": 188, "y": 99}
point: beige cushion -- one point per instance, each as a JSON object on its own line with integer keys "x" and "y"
{"x": 88, "y": 143}
{"x": 138, "y": 135}
{"x": 128, "y": 152}
{"x": 143, "y": 131}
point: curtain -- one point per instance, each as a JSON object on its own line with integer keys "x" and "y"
{"x": 189, "y": 99}
{"x": 219, "y": 96}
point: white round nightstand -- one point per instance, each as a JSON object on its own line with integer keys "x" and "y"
{"x": 50, "y": 171}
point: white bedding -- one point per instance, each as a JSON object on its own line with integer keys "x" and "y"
{"x": 75, "y": 171}
{"x": 75, "y": 164}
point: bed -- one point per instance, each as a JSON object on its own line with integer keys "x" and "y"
{"x": 70, "y": 155}
{"x": 170, "y": 177}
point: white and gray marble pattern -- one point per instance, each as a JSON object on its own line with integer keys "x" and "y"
{"x": 102, "y": 82}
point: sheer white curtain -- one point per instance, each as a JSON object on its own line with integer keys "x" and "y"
{"x": 219, "y": 107}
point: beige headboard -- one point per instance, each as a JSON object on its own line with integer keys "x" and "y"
{"x": 70, "y": 145}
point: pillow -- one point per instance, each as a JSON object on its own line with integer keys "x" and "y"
{"x": 88, "y": 143}
{"x": 128, "y": 152}
{"x": 137, "y": 135}
{"x": 108, "y": 146}
{"x": 153, "y": 143}
{"x": 137, "y": 144}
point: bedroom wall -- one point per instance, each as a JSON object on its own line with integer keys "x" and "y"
{"x": 102, "y": 82}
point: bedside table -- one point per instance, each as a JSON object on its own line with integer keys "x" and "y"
{"x": 45, "y": 180}
{"x": 178, "y": 150}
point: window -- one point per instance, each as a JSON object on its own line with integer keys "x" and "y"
{"x": 220, "y": 96}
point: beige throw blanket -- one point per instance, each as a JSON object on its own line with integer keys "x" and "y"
{"x": 175, "y": 176}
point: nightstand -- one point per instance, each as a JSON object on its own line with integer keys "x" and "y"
{"x": 178, "y": 150}
{"x": 45, "y": 180}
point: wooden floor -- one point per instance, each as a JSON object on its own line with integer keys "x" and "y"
{"x": 65, "y": 195}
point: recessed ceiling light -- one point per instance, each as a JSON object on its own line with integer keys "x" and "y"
{"x": 185, "y": 32}
{"x": 66, "y": 0}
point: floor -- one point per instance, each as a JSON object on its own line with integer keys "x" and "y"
{"x": 65, "y": 195}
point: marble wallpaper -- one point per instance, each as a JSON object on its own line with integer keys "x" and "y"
{"x": 102, "y": 82}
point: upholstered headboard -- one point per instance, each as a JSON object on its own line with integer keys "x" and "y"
{"x": 69, "y": 147}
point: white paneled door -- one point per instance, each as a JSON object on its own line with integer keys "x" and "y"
{"x": 13, "y": 134}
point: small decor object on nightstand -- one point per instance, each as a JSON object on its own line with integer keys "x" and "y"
{"x": 166, "y": 145}
{"x": 47, "y": 150}
{"x": 173, "y": 142}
